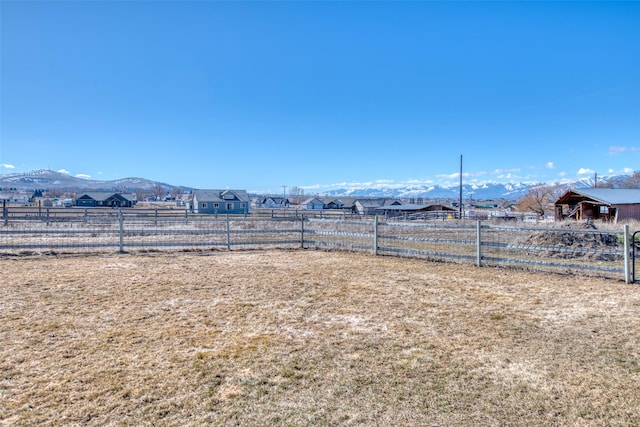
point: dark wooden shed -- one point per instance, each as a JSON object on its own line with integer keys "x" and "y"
{"x": 605, "y": 204}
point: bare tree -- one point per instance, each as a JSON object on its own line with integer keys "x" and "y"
{"x": 175, "y": 192}
{"x": 296, "y": 194}
{"x": 54, "y": 192}
{"x": 158, "y": 191}
{"x": 539, "y": 199}
{"x": 632, "y": 181}
{"x": 140, "y": 194}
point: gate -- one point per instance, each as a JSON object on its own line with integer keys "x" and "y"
{"x": 634, "y": 243}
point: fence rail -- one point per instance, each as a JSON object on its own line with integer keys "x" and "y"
{"x": 565, "y": 250}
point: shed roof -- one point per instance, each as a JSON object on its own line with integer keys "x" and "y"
{"x": 377, "y": 202}
{"x": 414, "y": 208}
{"x": 346, "y": 201}
{"x": 312, "y": 200}
{"x": 101, "y": 196}
{"x": 217, "y": 195}
{"x": 608, "y": 196}
{"x": 403, "y": 208}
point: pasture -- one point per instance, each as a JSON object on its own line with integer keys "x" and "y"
{"x": 308, "y": 337}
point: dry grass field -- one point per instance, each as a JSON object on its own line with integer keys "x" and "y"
{"x": 311, "y": 338}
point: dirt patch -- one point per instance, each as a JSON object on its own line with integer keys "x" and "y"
{"x": 572, "y": 244}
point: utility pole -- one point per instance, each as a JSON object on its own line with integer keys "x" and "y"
{"x": 284, "y": 191}
{"x": 460, "y": 201}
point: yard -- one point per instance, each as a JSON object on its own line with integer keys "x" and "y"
{"x": 311, "y": 338}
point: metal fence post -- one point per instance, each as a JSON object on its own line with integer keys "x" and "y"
{"x": 478, "y": 244}
{"x": 627, "y": 275}
{"x": 633, "y": 256}
{"x": 228, "y": 233}
{"x": 121, "y": 221}
{"x": 375, "y": 235}
{"x": 302, "y": 232}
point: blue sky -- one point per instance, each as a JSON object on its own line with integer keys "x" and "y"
{"x": 317, "y": 94}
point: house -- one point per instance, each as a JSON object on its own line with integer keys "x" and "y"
{"x": 272, "y": 202}
{"x": 312, "y": 204}
{"x": 369, "y": 206}
{"x": 18, "y": 197}
{"x": 105, "y": 199}
{"x": 343, "y": 203}
{"x": 334, "y": 204}
{"x": 606, "y": 204}
{"x": 220, "y": 202}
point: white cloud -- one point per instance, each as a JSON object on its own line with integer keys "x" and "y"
{"x": 550, "y": 165}
{"x": 6, "y": 166}
{"x": 63, "y": 171}
{"x": 617, "y": 149}
{"x": 585, "y": 171}
{"x": 450, "y": 176}
{"x": 507, "y": 171}
{"x": 623, "y": 171}
{"x": 83, "y": 176}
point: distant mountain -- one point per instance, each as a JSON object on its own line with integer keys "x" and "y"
{"x": 48, "y": 180}
{"x": 487, "y": 191}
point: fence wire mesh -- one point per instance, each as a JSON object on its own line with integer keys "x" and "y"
{"x": 565, "y": 250}
{"x": 553, "y": 249}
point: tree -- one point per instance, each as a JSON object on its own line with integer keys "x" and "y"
{"x": 122, "y": 189}
{"x": 539, "y": 199}
{"x": 296, "y": 195}
{"x": 632, "y": 181}
{"x": 140, "y": 194}
{"x": 158, "y": 191}
{"x": 175, "y": 192}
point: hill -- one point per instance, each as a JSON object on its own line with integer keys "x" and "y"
{"x": 47, "y": 179}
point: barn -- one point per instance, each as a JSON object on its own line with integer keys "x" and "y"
{"x": 604, "y": 204}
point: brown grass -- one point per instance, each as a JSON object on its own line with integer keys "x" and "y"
{"x": 311, "y": 338}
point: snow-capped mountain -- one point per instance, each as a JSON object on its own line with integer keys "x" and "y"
{"x": 47, "y": 179}
{"x": 485, "y": 191}
{"x": 488, "y": 191}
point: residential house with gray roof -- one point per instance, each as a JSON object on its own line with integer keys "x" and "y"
{"x": 107, "y": 199}
{"x": 369, "y": 206}
{"x": 216, "y": 202}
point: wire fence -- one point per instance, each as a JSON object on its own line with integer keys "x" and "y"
{"x": 563, "y": 250}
